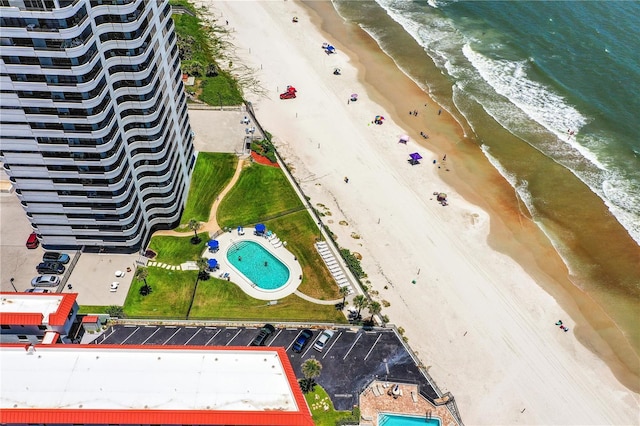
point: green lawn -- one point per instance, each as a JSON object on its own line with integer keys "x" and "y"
{"x": 261, "y": 192}
{"x": 218, "y": 299}
{"x": 177, "y": 250}
{"x": 300, "y": 232}
{"x": 89, "y": 309}
{"x": 318, "y": 400}
{"x": 211, "y": 175}
{"x": 170, "y": 297}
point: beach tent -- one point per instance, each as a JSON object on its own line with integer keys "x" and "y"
{"x": 442, "y": 196}
{"x": 330, "y": 49}
{"x": 404, "y": 139}
{"x": 212, "y": 263}
{"x": 415, "y": 158}
{"x": 260, "y": 229}
{"x": 214, "y": 245}
{"x": 354, "y": 97}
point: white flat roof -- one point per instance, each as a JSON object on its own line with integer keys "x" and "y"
{"x": 28, "y": 303}
{"x": 122, "y": 378}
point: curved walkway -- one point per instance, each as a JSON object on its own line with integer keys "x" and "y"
{"x": 211, "y": 225}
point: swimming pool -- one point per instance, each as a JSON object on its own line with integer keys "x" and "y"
{"x": 259, "y": 266}
{"x": 386, "y": 419}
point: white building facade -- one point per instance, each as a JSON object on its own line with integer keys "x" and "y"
{"x": 94, "y": 129}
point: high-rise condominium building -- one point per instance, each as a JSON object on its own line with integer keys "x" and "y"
{"x": 94, "y": 130}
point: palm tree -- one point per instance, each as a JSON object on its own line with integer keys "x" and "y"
{"x": 141, "y": 275}
{"x": 360, "y": 302}
{"x": 195, "y": 226}
{"x": 374, "y": 309}
{"x": 203, "y": 265}
{"x": 311, "y": 369}
{"x": 344, "y": 291}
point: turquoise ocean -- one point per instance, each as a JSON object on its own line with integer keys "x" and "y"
{"x": 560, "y": 80}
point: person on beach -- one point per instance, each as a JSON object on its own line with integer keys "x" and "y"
{"x": 239, "y": 258}
{"x": 346, "y": 179}
{"x": 439, "y": 111}
{"x": 559, "y": 322}
{"x": 444, "y": 158}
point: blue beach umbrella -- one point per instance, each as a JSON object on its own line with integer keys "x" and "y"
{"x": 213, "y": 244}
{"x": 212, "y": 263}
{"x": 260, "y": 228}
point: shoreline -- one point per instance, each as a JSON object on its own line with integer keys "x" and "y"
{"x": 455, "y": 300}
{"x": 504, "y": 236}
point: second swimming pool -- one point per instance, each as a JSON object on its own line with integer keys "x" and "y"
{"x": 259, "y": 266}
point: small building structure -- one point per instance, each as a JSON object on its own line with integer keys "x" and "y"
{"x": 27, "y": 317}
{"x": 131, "y": 384}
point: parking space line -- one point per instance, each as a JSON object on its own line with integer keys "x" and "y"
{"x": 275, "y": 337}
{"x": 372, "y": 346}
{"x": 331, "y": 347}
{"x": 194, "y": 335}
{"x": 176, "y": 332}
{"x": 134, "y": 332}
{"x": 145, "y": 340}
{"x": 212, "y": 337}
{"x": 239, "y": 331}
{"x": 352, "y": 345}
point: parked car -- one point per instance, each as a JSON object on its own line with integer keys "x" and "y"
{"x": 50, "y": 268}
{"x": 37, "y": 290}
{"x": 32, "y": 241}
{"x": 261, "y": 339}
{"x": 302, "y": 340}
{"x": 323, "y": 339}
{"x": 54, "y": 256}
{"x": 46, "y": 281}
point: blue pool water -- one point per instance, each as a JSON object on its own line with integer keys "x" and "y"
{"x": 403, "y": 420}
{"x": 258, "y": 265}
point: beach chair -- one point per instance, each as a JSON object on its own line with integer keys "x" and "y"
{"x": 278, "y": 244}
{"x": 327, "y": 255}
{"x": 338, "y": 276}
{"x": 324, "y": 251}
{"x": 335, "y": 270}
{"x": 414, "y": 398}
{"x": 331, "y": 263}
{"x": 342, "y": 282}
{"x": 321, "y": 244}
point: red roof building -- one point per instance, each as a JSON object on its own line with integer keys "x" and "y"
{"x": 26, "y": 317}
{"x": 168, "y": 385}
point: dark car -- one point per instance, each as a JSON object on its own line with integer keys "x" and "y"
{"x": 54, "y": 256}
{"x": 302, "y": 340}
{"x": 32, "y": 241}
{"x": 50, "y": 268}
{"x": 265, "y": 332}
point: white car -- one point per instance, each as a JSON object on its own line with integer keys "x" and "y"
{"x": 323, "y": 339}
{"x": 46, "y": 281}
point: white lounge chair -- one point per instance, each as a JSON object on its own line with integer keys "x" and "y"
{"x": 278, "y": 244}
{"x": 324, "y": 252}
{"x": 335, "y": 270}
{"x": 321, "y": 244}
{"x": 338, "y": 276}
{"x": 331, "y": 263}
{"x": 343, "y": 282}
{"x": 327, "y": 255}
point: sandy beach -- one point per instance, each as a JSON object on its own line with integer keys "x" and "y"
{"x": 480, "y": 322}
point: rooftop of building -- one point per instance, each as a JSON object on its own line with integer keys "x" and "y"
{"x": 35, "y": 308}
{"x": 186, "y": 385}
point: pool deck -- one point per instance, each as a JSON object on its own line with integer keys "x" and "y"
{"x": 377, "y": 398}
{"x": 227, "y": 239}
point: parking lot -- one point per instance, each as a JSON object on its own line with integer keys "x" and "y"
{"x": 350, "y": 361}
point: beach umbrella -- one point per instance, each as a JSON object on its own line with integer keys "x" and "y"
{"x": 354, "y": 96}
{"x": 212, "y": 263}
{"x": 260, "y": 228}
{"x": 415, "y": 156}
{"x": 214, "y": 244}
{"x": 404, "y": 138}
{"x": 442, "y": 196}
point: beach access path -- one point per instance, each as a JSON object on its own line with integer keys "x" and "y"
{"x": 483, "y": 326}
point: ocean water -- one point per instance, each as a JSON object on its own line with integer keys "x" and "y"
{"x": 550, "y": 91}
